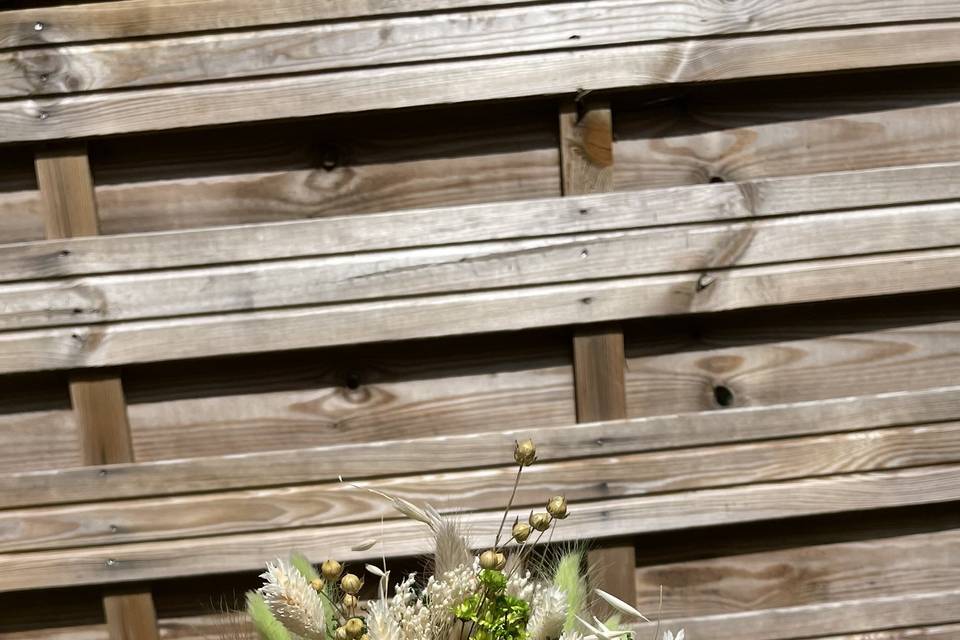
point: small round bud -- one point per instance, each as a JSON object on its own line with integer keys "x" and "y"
{"x": 341, "y": 634}
{"x": 521, "y": 531}
{"x": 317, "y": 584}
{"x": 354, "y": 627}
{"x": 540, "y": 521}
{"x": 351, "y": 584}
{"x": 488, "y": 559}
{"x": 501, "y": 561}
{"x": 525, "y": 453}
{"x": 365, "y": 637}
{"x": 350, "y": 601}
{"x": 331, "y": 570}
{"x": 557, "y": 507}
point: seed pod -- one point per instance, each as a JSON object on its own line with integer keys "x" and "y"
{"x": 350, "y": 601}
{"x": 331, "y": 570}
{"x": 354, "y": 627}
{"x": 501, "y": 561}
{"x": 525, "y": 453}
{"x": 557, "y": 507}
{"x": 488, "y": 559}
{"x": 521, "y": 531}
{"x": 351, "y": 584}
{"x": 317, "y": 584}
{"x": 540, "y": 521}
{"x": 341, "y": 634}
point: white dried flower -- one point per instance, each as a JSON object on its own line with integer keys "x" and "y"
{"x": 292, "y": 600}
{"x": 549, "y": 613}
{"x": 668, "y": 635}
{"x": 522, "y": 587}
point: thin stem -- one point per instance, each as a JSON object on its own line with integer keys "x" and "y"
{"x": 656, "y": 634}
{"x": 506, "y": 512}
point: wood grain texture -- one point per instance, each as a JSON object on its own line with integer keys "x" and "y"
{"x": 484, "y": 222}
{"x": 475, "y": 266}
{"x": 134, "y": 18}
{"x": 130, "y": 616}
{"x": 598, "y": 367}
{"x": 824, "y": 358}
{"x": 382, "y": 393}
{"x": 550, "y": 305}
{"x": 782, "y": 128}
{"x": 66, "y": 188}
{"x": 579, "y": 480}
{"x": 564, "y": 72}
{"x": 606, "y": 518}
{"x": 102, "y": 417}
{"x": 437, "y": 36}
{"x": 938, "y": 632}
{"x": 849, "y": 582}
{"x": 444, "y": 453}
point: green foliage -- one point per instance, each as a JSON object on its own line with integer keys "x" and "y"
{"x": 266, "y": 625}
{"x": 493, "y": 581}
{"x": 568, "y": 577}
{"x": 495, "y": 615}
{"x": 301, "y": 564}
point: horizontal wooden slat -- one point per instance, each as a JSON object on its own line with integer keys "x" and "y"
{"x": 477, "y": 266}
{"x": 482, "y": 222}
{"x": 796, "y": 355}
{"x": 432, "y": 37}
{"x": 149, "y": 560}
{"x": 134, "y": 18}
{"x": 610, "y": 477}
{"x": 354, "y": 395}
{"x": 561, "y": 72}
{"x": 453, "y": 452}
{"x": 781, "y": 127}
{"x": 799, "y": 592}
{"x": 938, "y": 632}
{"x": 551, "y": 305}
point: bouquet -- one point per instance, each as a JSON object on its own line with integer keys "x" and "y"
{"x": 502, "y": 593}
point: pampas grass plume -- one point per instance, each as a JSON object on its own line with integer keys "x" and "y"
{"x": 266, "y": 625}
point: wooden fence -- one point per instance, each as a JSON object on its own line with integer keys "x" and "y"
{"x": 705, "y": 252}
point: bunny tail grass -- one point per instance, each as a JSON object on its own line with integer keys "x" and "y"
{"x": 568, "y": 577}
{"x": 266, "y": 625}
{"x": 301, "y": 564}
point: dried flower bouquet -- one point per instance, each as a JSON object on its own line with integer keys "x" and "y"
{"x": 500, "y": 594}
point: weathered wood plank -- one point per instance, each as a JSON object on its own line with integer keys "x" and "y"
{"x": 787, "y": 127}
{"x": 441, "y": 453}
{"x": 438, "y": 36}
{"x": 938, "y": 632}
{"x": 607, "y": 518}
{"x": 66, "y": 188}
{"x": 476, "y": 266}
{"x": 806, "y": 358}
{"x": 102, "y": 417}
{"x": 130, "y": 615}
{"x": 841, "y": 588}
{"x": 597, "y": 301}
{"x": 579, "y": 480}
{"x": 563, "y": 72}
{"x": 483, "y": 222}
{"x": 135, "y": 18}
{"x": 354, "y": 395}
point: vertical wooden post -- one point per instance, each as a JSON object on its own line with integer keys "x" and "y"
{"x": 66, "y": 187}
{"x": 586, "y": 155}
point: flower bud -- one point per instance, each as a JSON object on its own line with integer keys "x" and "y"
{"x": 501, "y": 561}
{"x": 331, "y": 570}
{"x": 525, "y": 453}
{"x": 354, "y": 627}
{"x": 317, "y": 584}
{"x": 341, "y": 634}
{"x": 557, "y": 507}
{"x": 521, "y": 531}
{"x": 350, "y": 601}
{"x": 540, "y": 521}
{"x": 351, "y": 584}
{"x": 488, "y": 559}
